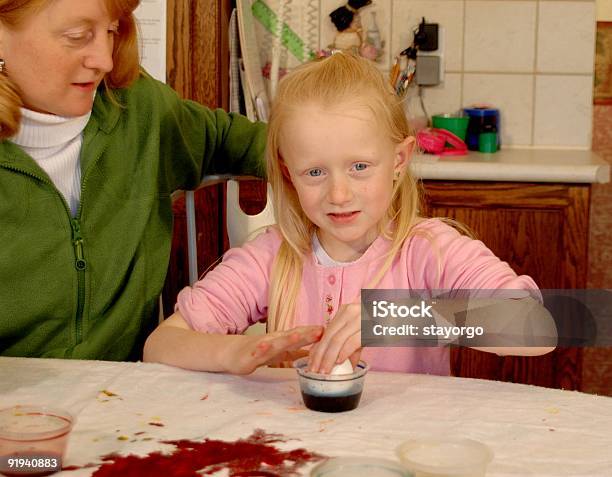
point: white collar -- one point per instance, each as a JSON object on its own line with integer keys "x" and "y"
{"x": 323, "y": 257}
{"x": 48, "y": 130}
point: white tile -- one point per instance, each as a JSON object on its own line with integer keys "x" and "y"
{"x": 512, "y": 94}
{"x": 444, "y": 98}
{"x": 563, "y": 110}
{"x": 382, "y": 10}
{"x": 500, "y": 36}
{"x": 447, "y": 13}
{"x": 566, "y": 37}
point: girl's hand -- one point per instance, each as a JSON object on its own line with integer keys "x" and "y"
{"x": 245, "y": 355}
{"x": 341, "y": 340}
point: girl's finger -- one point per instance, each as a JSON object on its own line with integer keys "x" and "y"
{"x": 327, "y": 353}
{"x": 319, "y": 349}
{"x": 332, "y": 354}
{"x": 355, "y": 357}
{"x": 351, "y": 346}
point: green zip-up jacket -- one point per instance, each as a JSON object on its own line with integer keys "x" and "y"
{"x": 87, "y": 287}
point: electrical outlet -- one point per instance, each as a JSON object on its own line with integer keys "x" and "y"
{"x": 430, "y": 64}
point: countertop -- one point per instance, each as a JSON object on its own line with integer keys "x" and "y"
{"x": 515, "y": 165}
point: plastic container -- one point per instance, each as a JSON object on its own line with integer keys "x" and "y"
{"x": 329, "y": 392}
{"x": 482, "y": 119}
{"x": 359, "y": 467}
{"x": 36, "y": 436}
{"x": 445, "y": 457}
{"x": 487, "y": 141}
{"x": 458, "y": 125}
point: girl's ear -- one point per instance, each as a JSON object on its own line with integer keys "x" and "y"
{"x": 403, "y": 154}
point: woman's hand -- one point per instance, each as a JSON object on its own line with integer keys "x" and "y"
{"x": 245, "y": 355}
{"x": 341, "y": 340}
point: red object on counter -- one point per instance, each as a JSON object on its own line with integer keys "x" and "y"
{"x": 433, "y": 141}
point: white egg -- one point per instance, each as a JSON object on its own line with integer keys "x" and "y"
{"x": 343, "y": 368}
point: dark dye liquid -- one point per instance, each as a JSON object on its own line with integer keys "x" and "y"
{"x": 331, "y": 403}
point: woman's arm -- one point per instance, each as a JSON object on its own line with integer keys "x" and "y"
{"x": 176, "y": 344}
{"x": 196, "y": 141}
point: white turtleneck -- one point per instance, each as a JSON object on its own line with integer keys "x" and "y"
{"x": 54, "y": 142}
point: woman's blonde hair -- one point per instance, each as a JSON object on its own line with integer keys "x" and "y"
{"x": 335, "y": 81}
{"x": 125, "y": 54}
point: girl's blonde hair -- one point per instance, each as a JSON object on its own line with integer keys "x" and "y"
{"x": 125, "y": 54}
{"x": 339, "y": 80}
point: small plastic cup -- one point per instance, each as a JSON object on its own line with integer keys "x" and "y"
{"x": 456, "y": 124}
{"x": 487, "y": 142}
{"x": 330, "y": 392}
{"x": 445, "y": 457}
{"x": 33, "y": 439}
{"x": 359, "y": 467}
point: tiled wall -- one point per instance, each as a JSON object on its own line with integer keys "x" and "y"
{"x": 533, "y": 59}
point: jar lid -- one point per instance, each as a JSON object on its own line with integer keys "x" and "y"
{"x": 445, "y": 456}
{"x": 481, "y": 112}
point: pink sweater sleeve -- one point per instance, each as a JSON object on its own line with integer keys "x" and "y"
{"x": 444, "y": 259}
{"x": 234, "y": 295}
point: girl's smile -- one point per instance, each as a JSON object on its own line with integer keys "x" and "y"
{"x": 343, "y": 217}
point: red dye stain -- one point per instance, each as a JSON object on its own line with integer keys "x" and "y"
{"x": 250, "y": 457}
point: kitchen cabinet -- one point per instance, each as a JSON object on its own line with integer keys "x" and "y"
{"x": 541, "y": 230}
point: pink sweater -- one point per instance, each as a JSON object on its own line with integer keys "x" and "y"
{"x": 234, "y": 295}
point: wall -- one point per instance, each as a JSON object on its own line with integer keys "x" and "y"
{"x": 532, "y": 59}
{"x": 604, "y": 10}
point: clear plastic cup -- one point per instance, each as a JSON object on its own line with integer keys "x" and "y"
{"x": 359, "y": 467}
{"x": 445, "y": 457}
{"x": 330, "y": 392}
{"x": 33, "y": 439}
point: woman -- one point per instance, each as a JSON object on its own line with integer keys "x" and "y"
{"x": 91, "y": 148}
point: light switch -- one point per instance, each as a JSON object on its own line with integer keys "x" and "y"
{"x": 427, "y": 70}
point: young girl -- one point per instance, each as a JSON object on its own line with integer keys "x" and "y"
{"x": 347, "y": 218}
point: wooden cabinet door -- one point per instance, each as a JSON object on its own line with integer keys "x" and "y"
{"x": 541, "y": 231}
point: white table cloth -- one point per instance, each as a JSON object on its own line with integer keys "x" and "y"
{"x": 532, "y": 431}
